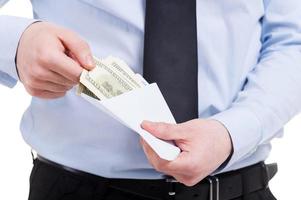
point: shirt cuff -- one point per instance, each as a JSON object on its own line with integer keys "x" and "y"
{"x": 244, "y": 129}
{"x": 11, "y": 31}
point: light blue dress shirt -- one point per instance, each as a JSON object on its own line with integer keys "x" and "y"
{"x": 249, "y": 77}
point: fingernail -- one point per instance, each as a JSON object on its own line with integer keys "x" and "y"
{"x": 146, "y": 122}
{"x": 89, "y": 61}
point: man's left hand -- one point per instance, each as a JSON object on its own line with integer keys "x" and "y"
{"x": 205, "y": 145}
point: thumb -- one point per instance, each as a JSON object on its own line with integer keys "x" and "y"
{"x": 77, "y": 49}
{"x": 162, "y": 130}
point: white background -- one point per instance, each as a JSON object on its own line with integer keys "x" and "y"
{"x": 15, "y": 158}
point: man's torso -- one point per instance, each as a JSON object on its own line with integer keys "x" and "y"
{"x": 71, "y": 132}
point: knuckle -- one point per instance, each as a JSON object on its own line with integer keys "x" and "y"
{"x": 39, "y": 74}
{"x": 43, "y": 56}
{"x": 47, "y": 57}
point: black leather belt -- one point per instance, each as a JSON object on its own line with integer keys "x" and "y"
{"x": 223, "y": 186}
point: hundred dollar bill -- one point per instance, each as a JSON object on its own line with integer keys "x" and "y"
{"x": 119, "y": 66}
{"x": 83, "y": 89}
{"x": 109, "y": 78}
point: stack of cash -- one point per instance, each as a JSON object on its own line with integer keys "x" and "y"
{"x": 111, "y": 77}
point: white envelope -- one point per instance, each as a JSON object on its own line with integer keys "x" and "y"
{"x": 133, "y": 107}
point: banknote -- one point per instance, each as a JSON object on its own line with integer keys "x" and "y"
{"x": 111, "y": 77}
{"x": 119, "y": 66}
{"x": 83, "y": 89}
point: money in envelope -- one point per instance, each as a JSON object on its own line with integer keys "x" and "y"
{"x": 116, "y": 90}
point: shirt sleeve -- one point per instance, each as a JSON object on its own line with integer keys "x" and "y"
{"x": 2, "y": 2}
{"x": 272, "y": 93}
{"x": 10, "y": 34}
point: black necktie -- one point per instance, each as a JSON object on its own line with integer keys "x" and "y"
{"x": 170, "y": 54}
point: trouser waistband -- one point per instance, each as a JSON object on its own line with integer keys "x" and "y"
{"x": 225, "y": 186}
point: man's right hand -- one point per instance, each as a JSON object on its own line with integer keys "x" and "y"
{"x": 50, "y": 60}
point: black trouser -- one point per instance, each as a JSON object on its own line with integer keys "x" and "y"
{"x": 50, "y": 182}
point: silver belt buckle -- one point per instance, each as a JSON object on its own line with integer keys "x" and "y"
{"x": 213, "y": 180}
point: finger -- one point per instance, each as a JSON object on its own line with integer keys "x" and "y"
{"x": 71, "y": 55}
{"x": 150, "y": 153}
{"x": 44, "y": 94}
{"x": 58, "y": 79}
{"x": 152, "y": 157}
{"x": 161, "y": 165}
{"x": 77, "y": 48}
{"x": 67, "y": 67}
{"x": 158, "y": 163}
{"x": 163, "y": 130}
{"x": 181, "y": 165}
{"x": 52, "y": 95}
{"x": 49, "y": 86}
